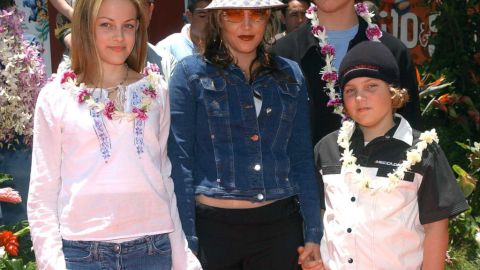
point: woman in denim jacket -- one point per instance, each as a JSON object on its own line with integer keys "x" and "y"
{"x": 240, "y": 147}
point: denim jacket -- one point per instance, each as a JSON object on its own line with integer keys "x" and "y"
{"x": 219, "y": 148}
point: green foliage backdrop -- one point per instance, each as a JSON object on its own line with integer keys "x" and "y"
{"x": 454, "y": 113}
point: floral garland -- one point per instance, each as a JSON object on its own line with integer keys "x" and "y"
{"x": 329, "y": 72}
{"x": 349, "y": 164}
{"x": 22, "y": 76}
{"x": 83, "y": 94}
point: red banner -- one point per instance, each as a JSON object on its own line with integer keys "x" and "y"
{"x": 411, "y": 21}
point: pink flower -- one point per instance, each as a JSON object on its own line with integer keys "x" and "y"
{"x": 334, "y": 102}
{"x": 150, "y": 92}
{"x": 69, "y": 74}
{"x": 109, "y": 110}
{"x": 141, "y": 114}
{"x": 361, "y": 9}
{"x": 330, "y": 76}
{"x": 328, "y": 49}
{"x": 151, "y": 67}
{"x": 317, "y": 29}
{"x": 373, "y": 32}
{"x": 9, "y": 195}
{"x": 312, "y": 9}
{"x": 83, "y": 95}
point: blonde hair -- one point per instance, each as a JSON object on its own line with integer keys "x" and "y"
{"x": 85, "y": 56}
{"x": 399, "y": 97}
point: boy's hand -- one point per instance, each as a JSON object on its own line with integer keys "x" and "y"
{"x": 309, "y": 257}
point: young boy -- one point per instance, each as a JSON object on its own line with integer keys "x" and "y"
{"x": 345, "y": 29}
{"x": 389, "y": 190}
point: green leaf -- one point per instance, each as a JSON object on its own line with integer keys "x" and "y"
{"x": 466, "y": 181}
{"x": 31, "y": 266}
{"x": 5, "y": 178}
{"x": 463, "y": 145}
{"x": 22, "y": 232}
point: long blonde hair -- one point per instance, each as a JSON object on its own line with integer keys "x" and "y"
{"x": 85, "y": 56}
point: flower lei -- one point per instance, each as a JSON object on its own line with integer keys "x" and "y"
{"x": 329, "y": 72}
{"x": 349, "y": 164}
{"x": 22, "y": 75}
{"x": 84, "y": 95}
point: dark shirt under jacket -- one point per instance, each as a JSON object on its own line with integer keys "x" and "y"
{"x": 302, "y": 47}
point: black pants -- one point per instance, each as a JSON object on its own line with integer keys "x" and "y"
{"x": 263, "y": 238}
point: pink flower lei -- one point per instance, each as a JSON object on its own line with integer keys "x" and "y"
{"x": 329, "y": 72}
{"x": 83, "y": 95}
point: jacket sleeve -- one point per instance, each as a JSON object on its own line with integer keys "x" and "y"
{"x": 45, "y": 182}
{"x": 302, "y": 165}
{"x": 182, "y": 256}
{"x": 181, "y": 149}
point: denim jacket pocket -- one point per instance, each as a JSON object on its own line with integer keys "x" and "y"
{"x": 288, "y": 95}
{"x": 215, "y": 99}
{"x": 215, "y": 96}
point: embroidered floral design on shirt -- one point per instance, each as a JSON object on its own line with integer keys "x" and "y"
{"x": 349, "y": 165}
{"x": 99, "y": 110}
{"x": 102, "y": 134}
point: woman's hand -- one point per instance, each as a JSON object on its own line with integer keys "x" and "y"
{"x": 309, "y": 257}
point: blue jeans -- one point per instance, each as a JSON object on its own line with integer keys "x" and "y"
{"x": 149, "y": 252}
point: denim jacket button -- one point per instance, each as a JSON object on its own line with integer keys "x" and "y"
{"x": 260, "y": 196}
{"x": 254, "y": 138}
{"x": 268, "y": 110}
{"x": 212, "y": 136}
{"x": 257, "y": 167}
{"x": 219, "y": 180}
{"x": 116, "y": 248}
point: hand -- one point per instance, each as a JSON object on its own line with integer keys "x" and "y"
{"x": 309, "y": 257}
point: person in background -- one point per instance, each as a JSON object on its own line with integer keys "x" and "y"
{"x": 100, "y": 195}
{"x": 344, "y": 26}
{"x": 163, "y": 60}
{"x": 240, "y": 146}
{"x": 293, "y": 16}
{"x": 191, "y": 38}
{"x": 389, "y": 189}
{"x": 63, "y": 30}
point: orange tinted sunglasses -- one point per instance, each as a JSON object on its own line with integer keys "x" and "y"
{"x": 238, "y": 15}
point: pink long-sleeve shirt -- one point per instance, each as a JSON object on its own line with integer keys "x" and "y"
{"x": 101, "y": 180}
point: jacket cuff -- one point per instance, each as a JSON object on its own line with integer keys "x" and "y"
{"x": 193, "y": 243}
{"x": 313, "y": 235}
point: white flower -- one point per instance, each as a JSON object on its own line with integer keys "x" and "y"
{"x": 2, "y": 251}
{"x": 477, "y": 237}
{"x": 422, "y": 145}
{"x": 476, "y": 147}
{"x": 392, "y": 178}
{"x": 429, "y": 136}
{"x": 413, "y": 156}
{"x": 348, "y": 158}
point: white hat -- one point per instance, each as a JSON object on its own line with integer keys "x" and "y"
{"x": 245, "y": 4}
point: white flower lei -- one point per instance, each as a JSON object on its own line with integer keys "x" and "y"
{"x": 349, "y": 164}
{"x": 84, "y": 95}
{"x": 329, "y": 72}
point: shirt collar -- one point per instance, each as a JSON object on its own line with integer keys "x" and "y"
{"x": 403, "y": 131}
{"x": 305, "y": 29}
